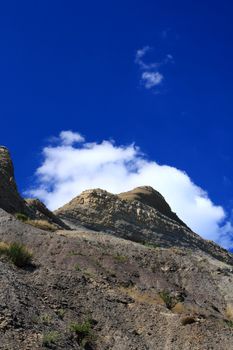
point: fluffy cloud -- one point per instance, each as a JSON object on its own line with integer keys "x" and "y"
{"x": 68, "y": 137}
{"x": 67, "y": 169}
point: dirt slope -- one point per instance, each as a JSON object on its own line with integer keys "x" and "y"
{"x": 136, "y": 297}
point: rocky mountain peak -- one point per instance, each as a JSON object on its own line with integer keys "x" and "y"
{"x": 149, "y": 196}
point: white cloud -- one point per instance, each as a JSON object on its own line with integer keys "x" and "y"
{"x": 69, "y": 137}
{"x": 150, "y": 76}
{"x": 151, "y": 79}
{"x": 67, "y": 170}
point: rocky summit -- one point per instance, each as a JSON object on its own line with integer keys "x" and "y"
{"x": 105, "y": 271}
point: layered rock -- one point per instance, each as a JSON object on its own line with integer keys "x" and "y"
{"x": 149, "y": 196}
{"x": 102, "y": 211}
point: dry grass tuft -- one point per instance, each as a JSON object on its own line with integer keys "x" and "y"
{"x": 43, "y": 225}
{"x": 229, "y": 312}
{"x": 179, "y": 308}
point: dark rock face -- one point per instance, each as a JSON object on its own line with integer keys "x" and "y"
{"x": 10, "y": 199}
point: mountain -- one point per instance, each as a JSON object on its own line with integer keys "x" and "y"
{"x": 119, "y": 272}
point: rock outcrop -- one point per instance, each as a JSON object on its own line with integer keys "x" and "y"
{"x": 10, "y": 199}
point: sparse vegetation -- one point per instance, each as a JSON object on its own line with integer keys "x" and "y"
{"x": 120, "y": 258}
{"x": 229, "y": 323}
{"x": 50, "y": 338}
{"x": 167, "y": 298}
{"x": 17, "y": 253}
{"x": 21, "y": 217}
{"x": 46, "y": 319}
{"x": 77, "y": 267}
{"x": 43, "y": 225}
{"x": 61, "y": 313}
{"x": 83, "y": 331}
{"x": 150, "y": 245}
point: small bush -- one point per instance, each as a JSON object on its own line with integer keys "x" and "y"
{"x": 50, "y": 338}
{"x": 60, "y": 313}
{"x": 83, "y": 331}
{"x": 167, "y": 298}
{"x": 120, "y": 258}
{"x": 19, "y": 254}
{"x": 188, "y": 320}
{"x": 229, "y": 323}
{"x": 43, "y": 225}
{"x": 150, "y": 245}
{"x": 46, "y": 319}
{"x": 21, "y": 217}
{"x": 77, "y": 267}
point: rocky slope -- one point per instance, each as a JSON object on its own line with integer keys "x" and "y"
{"x": 130, "y": 275}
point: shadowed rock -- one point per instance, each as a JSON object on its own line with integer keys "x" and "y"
{"x": 10, "y": 199}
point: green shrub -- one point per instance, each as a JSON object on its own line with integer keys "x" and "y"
{"x": 83, "y": 331}
{"x": 150, "y": 245}
{"x": 21, "y": 217}
{"x": 120, "y": 258}
{"x": 19, "y": 254}
{"x": 60, "y": 313}
{"x": 229, "y": 323}
{"x": 50, "y": 338}
{"x": 167, "y": 298}
{"x": 46, "y": 319}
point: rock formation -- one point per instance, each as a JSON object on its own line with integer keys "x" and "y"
{"x": 134, "y": 219}
{"x": 10, "y": 199}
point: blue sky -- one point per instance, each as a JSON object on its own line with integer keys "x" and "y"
{"x": 73, "y": 66}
